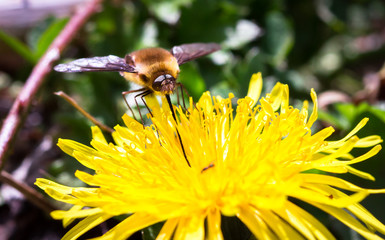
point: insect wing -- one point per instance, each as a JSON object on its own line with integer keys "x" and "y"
{"x": 188, "y": 52}
{"x": 109, "y": 63}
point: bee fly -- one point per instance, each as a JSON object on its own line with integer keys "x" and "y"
{"x": 155, "y": 69}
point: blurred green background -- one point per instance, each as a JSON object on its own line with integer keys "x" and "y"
{"x": 336, "y": 47}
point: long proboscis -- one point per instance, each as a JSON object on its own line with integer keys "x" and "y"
{"x": 177, "y": 132}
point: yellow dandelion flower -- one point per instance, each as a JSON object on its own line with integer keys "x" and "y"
{"x": 245, "y": 162}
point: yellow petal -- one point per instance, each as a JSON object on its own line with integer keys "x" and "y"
{"x": 368, "y": 141}
{"x": 331, "y": 181}
{"x": 214, "y": 225}
{"x": 360, "y": 174}
{"x": 191, "y": 228}
{"x": 167, "y": 229}
{"x": 348, "y": 220}
{"x": 85, "y": 225}
{"x": 68, "y": 146}
{"x": 360, "y": 125}
{"x": 365, "y": 216}
{"x": 316, "y": 193}
{"x": 255, "y": 223}
{"x": 130, "y": 225}
{"x": 305, "y": 223}
{"x": 276, "y": 96}
{"x": 68, "y": 220}
{"x": 79, "y": 213}
{"x": 314, "y": 114}
{"x": 255, "y": 87}
{"x": 279, "y": 227}
{"x": 45, "y": 184}
{"x": 131, "y": 124}
{"x": 98, "y": 135}
{"x": 153, "y": 104}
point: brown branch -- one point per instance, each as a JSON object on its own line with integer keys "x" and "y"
{"x": 20, "y": 107}
{"x": 82, "y": 111}
{"x": 29, "y": 193}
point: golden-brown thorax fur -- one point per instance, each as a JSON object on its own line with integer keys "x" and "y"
{"x": 149, "y": 64}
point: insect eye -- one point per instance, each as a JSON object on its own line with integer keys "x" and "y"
{"x": 164, "y": 83}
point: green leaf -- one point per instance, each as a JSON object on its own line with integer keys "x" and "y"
{"x": 151, "y": 232}
{"x": 192, "y": 80}
{"x": 18, "y": 47}
{"x": 167, "y": 11}
{"x": 348, "y": 111}
{"x": 346, "y": 115}
{"x": 48, "y": 36}
{"x": 331, "y": 118}
{"x": 279, "y": 37}
{"x": 234, "y": 229}
{"x": 33, "y": 36}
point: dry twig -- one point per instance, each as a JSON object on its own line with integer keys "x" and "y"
{"x": 29, "y": 193}
{"x": 82, "y": 111}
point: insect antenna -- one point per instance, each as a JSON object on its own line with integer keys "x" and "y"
{"x": 177, "y": 132}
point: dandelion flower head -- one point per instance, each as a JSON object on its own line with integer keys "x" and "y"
{"x": 248, "y": 162}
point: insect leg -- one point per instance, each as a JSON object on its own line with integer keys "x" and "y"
{"x": 177, "y": 98}
{"x": 183, "y": 89}
{"x": 137, "y": 106}
{"x": 128, "y": 105}
{"x": 142, "y": 95}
